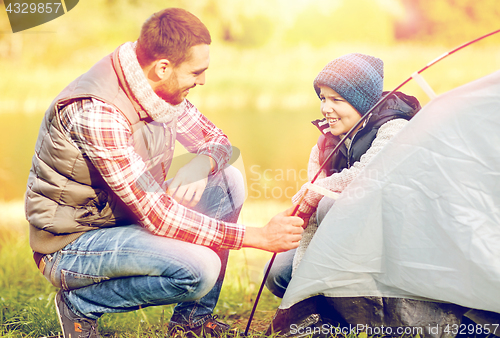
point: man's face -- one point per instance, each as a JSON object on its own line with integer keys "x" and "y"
{"x": 185, "y": 76}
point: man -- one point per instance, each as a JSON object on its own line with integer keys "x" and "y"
{"x": 104, "y": 225}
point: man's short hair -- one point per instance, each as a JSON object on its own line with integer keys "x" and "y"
{"x": 169, "y": 34}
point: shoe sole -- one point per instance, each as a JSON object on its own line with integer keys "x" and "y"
{"x": 59, "y": 315}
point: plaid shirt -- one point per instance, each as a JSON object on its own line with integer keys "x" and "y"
{"x": 102, "y": 133}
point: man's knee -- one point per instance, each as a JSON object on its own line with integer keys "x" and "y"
{"x": 235, "y": 184}
{"x": 223, "y": 196}
{"x": 202, "y": 276}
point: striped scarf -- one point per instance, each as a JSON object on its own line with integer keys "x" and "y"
{"x": 157, "y": 108}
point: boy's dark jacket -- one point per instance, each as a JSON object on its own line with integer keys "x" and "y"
{"x": 396, "y": 106}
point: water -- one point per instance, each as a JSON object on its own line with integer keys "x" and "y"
{"x": 18, "y": 133}
{"x": 274, "y": 146}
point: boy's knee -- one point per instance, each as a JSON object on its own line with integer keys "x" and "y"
{"x": 280, "y": 273}
{"x": 323, "y": 207}
{"x": 275, "y": 285}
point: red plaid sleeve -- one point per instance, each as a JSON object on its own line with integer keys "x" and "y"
{"x": 199, "y": 135}
{"x": 102, "y": 134}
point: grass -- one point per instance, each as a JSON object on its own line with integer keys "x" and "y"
{"x": 26, "y": 298}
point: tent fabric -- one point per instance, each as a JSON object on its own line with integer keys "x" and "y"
{"x": 422, "y": 220}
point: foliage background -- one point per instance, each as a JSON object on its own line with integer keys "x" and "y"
{"x": 264, "y": 57}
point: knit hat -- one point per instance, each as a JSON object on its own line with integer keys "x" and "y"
{"x": 358, "y": 78}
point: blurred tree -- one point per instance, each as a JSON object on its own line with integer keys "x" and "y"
{"x": 238, "y": 22}
{"x": 4, "y": 21}
{"x": 9, "y": 45}
{"x": 363, "y": 21}
{"x": 447, "y": 21}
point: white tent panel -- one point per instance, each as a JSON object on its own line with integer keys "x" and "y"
{"x": 422, "y": 220}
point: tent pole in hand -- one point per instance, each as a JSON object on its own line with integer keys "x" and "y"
{"x": 259, "y": 293}
{"x": 266, "y": 274}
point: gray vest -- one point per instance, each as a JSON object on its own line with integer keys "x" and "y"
{"x": 66, "y": 196}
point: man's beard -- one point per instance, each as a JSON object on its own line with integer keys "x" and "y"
{"x": 170, "y": 91}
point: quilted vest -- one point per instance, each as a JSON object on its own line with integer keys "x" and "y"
{"x": 66, "y": 196}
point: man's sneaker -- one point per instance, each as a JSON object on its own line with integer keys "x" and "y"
{"x": 73, "y": 326}
{"x": 211, "y": 327}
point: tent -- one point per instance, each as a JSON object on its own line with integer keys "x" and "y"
{"x": 413, "y": 243}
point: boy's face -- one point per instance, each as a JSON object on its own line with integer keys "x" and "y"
{"x": 339, "y": 113}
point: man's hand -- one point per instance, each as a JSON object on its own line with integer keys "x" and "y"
{"x": 282, "y": 233}
{"x": 188, "y": 184}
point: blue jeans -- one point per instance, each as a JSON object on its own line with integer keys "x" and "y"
{"x": 280, "y": 274}
{"x": 125, "y": 268}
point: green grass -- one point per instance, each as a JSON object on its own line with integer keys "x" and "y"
{"x": 26, "y": 298}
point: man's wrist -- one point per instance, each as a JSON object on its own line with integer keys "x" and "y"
{"x": 210, "y": 162}
{"x": 204, "y": 161}
{"x": 252, "y": 238}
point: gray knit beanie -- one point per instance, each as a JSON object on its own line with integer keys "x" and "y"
{"x": 358, "y": 78}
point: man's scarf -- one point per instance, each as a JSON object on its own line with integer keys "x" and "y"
{"x": 141, "y": 90}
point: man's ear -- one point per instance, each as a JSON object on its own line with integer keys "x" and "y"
{"x": 163, "y": 68}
